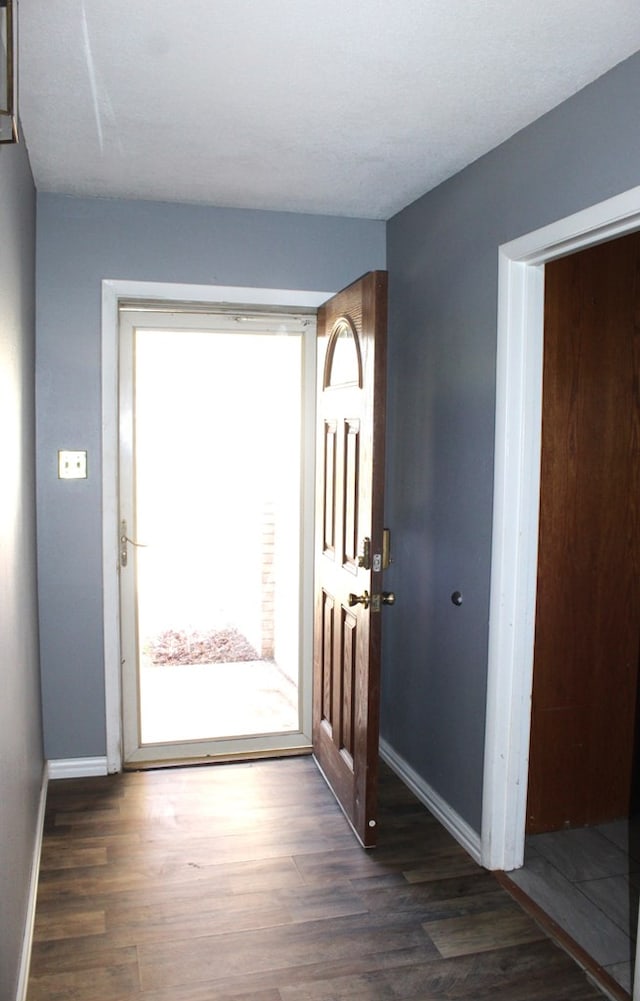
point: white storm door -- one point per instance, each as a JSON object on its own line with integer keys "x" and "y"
{"x": 216, "y": 499}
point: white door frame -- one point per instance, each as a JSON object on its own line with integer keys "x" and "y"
{"x": 112, "y": 292}
{"x": 515, "y": 513}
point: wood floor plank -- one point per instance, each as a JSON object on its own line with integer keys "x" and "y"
{"x": 273, "y": 949}
{"x": 357, "y": 987}
{"x": 432, "y": 897}
{"x": 313, "y": 903}
{"x": 446, "y": 864}
{"x": 481, "y": 931}
{"x": 143, "y": 873}
{"x": 95, "y": 976}
{"x": 68, "y": 924}
{"x": 243, "y": 882}
{"x": 205, "y": 992}
{"x": 295, "y": 976}
{"x": 75, "y": 955}
{"x": 59, "y": 856}
{"x": 531, "y": 972}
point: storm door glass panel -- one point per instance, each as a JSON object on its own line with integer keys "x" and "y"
{"x": 217, "y": 428}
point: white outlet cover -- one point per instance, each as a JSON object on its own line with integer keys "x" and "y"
{"x": 72, "y": 465}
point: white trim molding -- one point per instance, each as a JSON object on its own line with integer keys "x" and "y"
{"x": 27, "y": 940}
{"x": 452, "y": 821}
{"x": 77, "y": 768}
{"x": 113, "y": 290}
{"x": 515, "y": 516}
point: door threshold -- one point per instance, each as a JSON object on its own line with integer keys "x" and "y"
{"x": 594, "y": 972}
{"x": 217, "y": 759}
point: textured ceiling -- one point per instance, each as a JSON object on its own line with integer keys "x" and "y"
{"x": 344, "y": 107}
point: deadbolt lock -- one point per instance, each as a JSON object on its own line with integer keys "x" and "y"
{"x": 386, "y": 549}
{"x": 364, "y": 560}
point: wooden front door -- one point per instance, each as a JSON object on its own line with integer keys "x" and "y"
{"x": 349, "y": 531}
{"x": 588, "y": 598}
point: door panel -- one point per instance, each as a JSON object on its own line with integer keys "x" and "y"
{"x": 588, "y": 599}
{"x": 350, "y": 484}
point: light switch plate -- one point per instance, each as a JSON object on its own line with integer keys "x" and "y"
{"x": 72, "y": 465}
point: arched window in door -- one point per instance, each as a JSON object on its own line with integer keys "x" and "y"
{"x": 343, "y": 365}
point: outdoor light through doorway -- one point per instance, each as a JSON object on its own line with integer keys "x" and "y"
{"x": 8, "y": 71}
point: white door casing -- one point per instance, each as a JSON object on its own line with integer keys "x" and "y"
{"x": 112, "y": 292}
{"x": 515, "y": 515}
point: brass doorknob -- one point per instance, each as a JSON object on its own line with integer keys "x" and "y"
{"x": 359, "y": 599}
{"x": 388, "y": 598}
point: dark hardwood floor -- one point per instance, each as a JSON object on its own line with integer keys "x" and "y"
{"x": 243, "y": 882}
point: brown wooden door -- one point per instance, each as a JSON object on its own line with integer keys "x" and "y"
{"x": 588, "y": 599}
{"x": 349, "y": 509}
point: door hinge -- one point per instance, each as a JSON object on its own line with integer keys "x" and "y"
{"x": 124, "y": 554}
{"x": 125, "y": 541}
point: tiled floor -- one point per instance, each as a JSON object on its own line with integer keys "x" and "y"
{"x": 588, "y": 881}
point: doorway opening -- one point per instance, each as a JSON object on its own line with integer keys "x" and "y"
{"x": 212, "y": 414}
{"x": 581, "y": 852}
{"x": 516, "y": 511}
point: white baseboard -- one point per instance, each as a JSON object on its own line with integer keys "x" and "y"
{"x": 452, "y": 821}
{"x": 77, "y": 768}
{"x": 27, "y": 941}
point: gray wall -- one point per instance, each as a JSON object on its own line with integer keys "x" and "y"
{"x": 80, "y": 242}
{"x": 21, "y": 760}
{"x": 442, "y": 259}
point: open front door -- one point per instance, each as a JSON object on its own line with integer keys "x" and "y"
{"x": 349, "y": 546}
